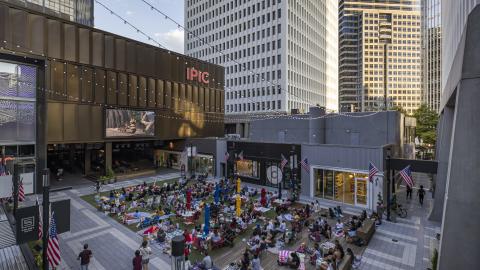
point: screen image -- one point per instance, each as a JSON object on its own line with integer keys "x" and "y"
{"x": 129, "y": 123}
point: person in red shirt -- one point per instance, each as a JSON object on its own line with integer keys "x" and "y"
{"x": 137, "y": 261}
{"x": 188, "y": 236}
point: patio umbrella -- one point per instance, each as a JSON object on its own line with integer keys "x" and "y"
{"x": 206, "y": 228}
{"x": 189, "y": 199}
{"x": 239, "y": 205}
{"x": 216, "y": 194}
{"x": 263, "y": 199}
{"x": 239, "y": 187}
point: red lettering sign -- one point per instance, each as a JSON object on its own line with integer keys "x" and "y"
{"x": 201, "y": 77}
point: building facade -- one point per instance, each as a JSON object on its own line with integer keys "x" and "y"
{"x": 278, "y": 55}
{"x": 431, "y": 51}
{"x": 87, "y": 101}
{"x": 379, "y": 55}
{"x": 79, "y": 11}
{"x": 456, "y": 192}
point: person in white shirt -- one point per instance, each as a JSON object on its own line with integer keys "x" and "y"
{"x": 187, "y": 265}
{"x": 283, "y": 227}
{"x": 270, "y": 226}
{"x": 145, "y": 251}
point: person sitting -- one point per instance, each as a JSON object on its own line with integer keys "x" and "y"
{"x": 339, "y": 249}
{"x": 245, "y": 261}
{"x": 270, "y": 240}
{"x": 161, "y": 235}
{"x": 294, "y": 260}
{"x": 256, "y": 263}
{"x": 302, "y": 248}
{"x": 283, "y": 227}
{"x": 187, "y": 236}
{"x": 207, "y": 262}
{"x": 216, "y": 238}
{"x": 338, "y": 211}
{"x": 355, "y": 260}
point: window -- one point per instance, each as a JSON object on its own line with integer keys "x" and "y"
{"x": 248, "y": 168}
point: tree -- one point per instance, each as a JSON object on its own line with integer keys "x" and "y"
{"x": 400, "y": 109}
{"x": 427, "y": 120}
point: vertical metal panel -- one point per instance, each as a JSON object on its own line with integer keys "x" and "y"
{"x": 57, "y": 80}
{"x": 87, "y": 84}
{"x": 182, "y": 97}
{"x": 174, "y": 97}
{"x": 5, "y": 27}
{"x": 149, "y": 62}
{"x": 218, "y": 102}
{"x": 84, "y": 123}
{"x": 131, "y": 57}
{"x": 195, "y": 102}
{"x": 222, "y": 101}
{"x": 70, "y": 121}
{"x": 201, "y": 98}
{"x": 151, "y": 93}
{"x": 207, "y": 99}
{"x": 36, "y": 25}
{"x": 168, "y": 95}
{"x": 99, "y": 93}
{"x": 97, "y": 49}
{"x": 132, "y": 90}
{"x": 120, "y": 53}
{"x": 54, "y": 39}
{"x": 212, "y": 100}
{"x": 73, "y": 83}
{"x": 19, "y": 25}
{"x": 84, "y": 45}
{"x": 122, "y": 89}
{"x": 160, "y": 94}
{"x": 112, "y": 88}
{"x": 189, "y": 99}
{"x": 109, "y": 52}
{"x": 142, "y": 92}
{"x": 55, "y": 121}
{"x": 70, "y": 49}
{"x": 97, "y": 123}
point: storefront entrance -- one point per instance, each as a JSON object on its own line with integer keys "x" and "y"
{"x": 342, "y": 186}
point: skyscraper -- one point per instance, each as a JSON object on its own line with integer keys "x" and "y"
{"x": 379, "y": 55}
{"x": 80, "y": 11}
{"x": 431, "y": 51}
{"x": 278, "y": 55}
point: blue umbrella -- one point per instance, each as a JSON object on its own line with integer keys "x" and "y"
{"x": 216, "y": 194}
{"x": 206, "y": 228}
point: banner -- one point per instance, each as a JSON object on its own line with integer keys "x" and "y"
{"x": 27, "y": 224}
{"x": 6, "y": 186}
{"x": 27, "y": 179}
{"x": 62, "y": 215}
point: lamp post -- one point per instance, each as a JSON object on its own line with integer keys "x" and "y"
{"x": 46, "y": 224}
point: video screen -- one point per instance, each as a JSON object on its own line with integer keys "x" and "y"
{"x": 129, "y": 123}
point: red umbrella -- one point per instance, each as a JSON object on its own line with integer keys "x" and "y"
{"x": 189, "y": 199}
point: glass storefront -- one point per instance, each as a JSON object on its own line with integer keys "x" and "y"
{"x": 248, "y": 168}
{"x": 203, "y": 164}
{"x": 341, "y": 186}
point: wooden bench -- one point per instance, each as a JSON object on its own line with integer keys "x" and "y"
{"x": 366, "y": 231}
{"x": 346, "y": 263}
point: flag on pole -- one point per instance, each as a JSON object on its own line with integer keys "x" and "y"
{"x": 305, "y": 165}
{"x": 406, "y": 174}
{"x": 40, "y": 220}
{"x": 227, "y": 156}
{"x": 283, "y": 163}
{"x": 240, "y": 156}
{"x": 53, "y": 250}
{"x": 21, "y": 191}
{"x": 372, "y": 171}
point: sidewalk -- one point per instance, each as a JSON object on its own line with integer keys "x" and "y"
{"x": 113, "y": 245}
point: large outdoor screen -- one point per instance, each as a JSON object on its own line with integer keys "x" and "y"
{"x": 129, "y": 123}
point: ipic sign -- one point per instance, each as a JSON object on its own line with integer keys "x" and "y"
{"x": 194, "y": 74}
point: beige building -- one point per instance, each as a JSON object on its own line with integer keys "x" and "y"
{"x": 379, "y": 49}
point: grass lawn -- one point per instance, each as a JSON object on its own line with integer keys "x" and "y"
{"x": 195, "y": 255}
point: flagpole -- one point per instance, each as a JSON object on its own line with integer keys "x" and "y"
{"x": 46, "y": 216}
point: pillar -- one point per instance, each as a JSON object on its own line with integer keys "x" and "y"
{"x": 88, "y": 160}
{"x": 41, "y": 129}
{"x": 108, "y": 156}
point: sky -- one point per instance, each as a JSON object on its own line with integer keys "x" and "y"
{"x": 141, "y": 16}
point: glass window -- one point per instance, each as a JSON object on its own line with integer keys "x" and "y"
{"x": 248, "y": 168}
{"x": 328, "y": 192}
{"x": 319, "y": 182}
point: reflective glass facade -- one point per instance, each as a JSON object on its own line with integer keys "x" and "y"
{"x": 341, "y": 186}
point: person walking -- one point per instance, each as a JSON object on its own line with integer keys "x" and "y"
{"x": 409, "y": 192}
{"x": 137, "y": 261}
{"x": 145, "y": 251}
{"x": 421, "y": 194}
{"x": 84, "y": 257}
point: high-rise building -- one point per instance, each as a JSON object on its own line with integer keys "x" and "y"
{"x": 278, "y": 55}
{"x": 456, "y": 190}
{"x": 431, "y": 53}
{"x": 80, "y": 11}
{"x": 379, "y": 55}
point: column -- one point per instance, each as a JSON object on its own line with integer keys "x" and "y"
{"x": 88, "y": 160}
{"x": 108, "y": 156}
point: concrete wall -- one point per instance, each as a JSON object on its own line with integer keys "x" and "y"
{"x": 459, "y": 248}
{"x": 355, "y": 158}
{"x": 367, "y": 129}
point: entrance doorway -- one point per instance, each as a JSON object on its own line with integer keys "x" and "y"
{"x": 361, "y": 188}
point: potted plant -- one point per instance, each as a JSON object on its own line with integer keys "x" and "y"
{"x": 111, "y": 176}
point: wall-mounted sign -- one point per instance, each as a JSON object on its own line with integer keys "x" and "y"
{"x": 274, "y": 174}
{"x": 197, "y": 75}
{"x": 27, "y": 180}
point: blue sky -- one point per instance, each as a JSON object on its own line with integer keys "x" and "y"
{"x": 149, "y": 21}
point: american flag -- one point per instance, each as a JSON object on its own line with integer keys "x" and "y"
{"x": 53, "y": 250}
{"x": 372, "y": 171}
{"x": 40, "y": 220}
{"x": 304, "y": 164}
{"x": 227, "y": 156}
{"x": 283, "y": 162}
{"x": 240, "y": 156}
{"x": 406, "y": 174}
{"x": 21, "y": 191}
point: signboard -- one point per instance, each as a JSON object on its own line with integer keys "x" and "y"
{"x": 274, "y": 175}
{"x": 62, "y": 215}
{"x": 27, "y": 224}
{"x": 197, "y": 75}
{"x": 6, "y": 186}
{"x": 27, "y": 180}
